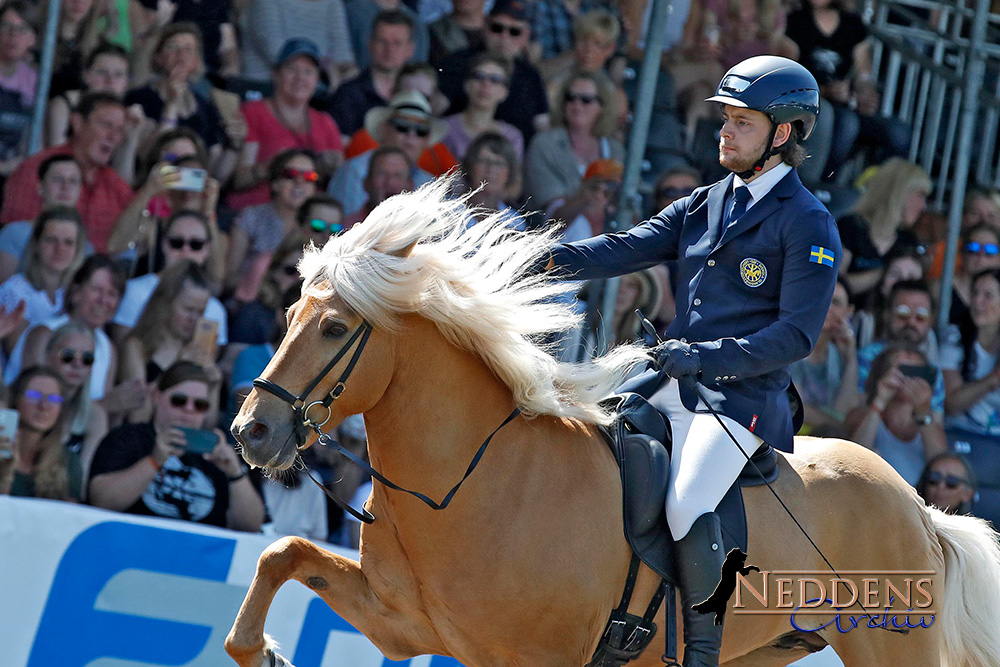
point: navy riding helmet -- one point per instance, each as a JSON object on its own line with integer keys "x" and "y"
{"x": 776, "y": 86}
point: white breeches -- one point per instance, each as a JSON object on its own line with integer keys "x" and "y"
{"x": 704, "y": 462}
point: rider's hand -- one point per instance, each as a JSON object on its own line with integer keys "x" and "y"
{"x": 677, "y": 359}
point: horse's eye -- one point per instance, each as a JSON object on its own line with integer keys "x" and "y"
{"x": 335, "y": 330}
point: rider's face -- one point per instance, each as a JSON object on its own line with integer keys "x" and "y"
{"x": 742, "y": 138}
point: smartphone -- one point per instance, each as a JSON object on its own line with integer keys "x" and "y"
{"x": 206, "y": 340}
{"x": 199, "y": 441}
{"x": 8, "y": 429}
{"x": 191, "y": 179}
{"x": 926, "y": 373}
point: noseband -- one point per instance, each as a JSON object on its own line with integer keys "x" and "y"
{"x": 302, "y": 420}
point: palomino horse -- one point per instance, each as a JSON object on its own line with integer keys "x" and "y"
{"x": 524, "y": 567}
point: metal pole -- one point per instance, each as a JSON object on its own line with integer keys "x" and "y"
{"x": 973, "y": 84}
{"x": 629, "y": 200}
{"x": 44, "y": 77}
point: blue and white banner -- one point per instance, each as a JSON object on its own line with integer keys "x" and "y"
{"x": 81, "y": 587}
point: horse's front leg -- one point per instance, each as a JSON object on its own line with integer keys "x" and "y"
{"x": 340, "y": 582}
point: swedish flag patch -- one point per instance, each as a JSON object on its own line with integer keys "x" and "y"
{"x": 821, "y": 256}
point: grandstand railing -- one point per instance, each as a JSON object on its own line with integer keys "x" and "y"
{"x": 932, "y": 59}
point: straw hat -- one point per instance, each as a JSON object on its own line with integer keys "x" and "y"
{"x": 411, "y": 105}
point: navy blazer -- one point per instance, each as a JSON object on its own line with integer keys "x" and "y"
{"x": 751, "y": 300}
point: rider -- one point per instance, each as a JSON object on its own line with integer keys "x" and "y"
{"x": 758, "y": 258}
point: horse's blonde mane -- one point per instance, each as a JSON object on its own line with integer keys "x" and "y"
{"x": 415, "y": 254}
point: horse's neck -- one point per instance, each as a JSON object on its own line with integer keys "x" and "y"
{"x": 441, "y": 403}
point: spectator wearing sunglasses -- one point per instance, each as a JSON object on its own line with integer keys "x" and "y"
{"x": 285, "y": 121}
{"x": 320, "y": 217}
{"x": 896, "y": 419}
{"x": 70, "y": 353}
{"x": 969, "y": 361}
{"x": 508, "y": 34}
{"x": 908, "y": 317}
{"x": 948, "y": 483}
{"x": 259, "y": 230}
{"x": 979, "y": 251}
{"x": 881, "y": 223}
{"x": 37, "y": 464}
{"x": 406, "y": 123}
{"x": 436, "y": 159}
{"x": 165, "y": 331}
{"x": 187, "y": 236}
{"x": 582, "y": 131}
{"x": 487, "y": 84}
{"x": 673, "y": 184}
{"x": 146, "y": 469}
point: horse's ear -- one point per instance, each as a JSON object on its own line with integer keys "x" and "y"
{"x": 403, "y": 252}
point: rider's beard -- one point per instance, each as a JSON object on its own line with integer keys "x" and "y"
{"x": 741, "y": 160}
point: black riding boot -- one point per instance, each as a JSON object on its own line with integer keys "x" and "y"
{"x": 699, "y": 564}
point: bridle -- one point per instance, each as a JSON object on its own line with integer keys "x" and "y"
{"x": 303, "y": 423}
{"x": 302, "y": 420}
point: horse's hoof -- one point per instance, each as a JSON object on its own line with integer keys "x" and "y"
{"x": 278, "y": 661}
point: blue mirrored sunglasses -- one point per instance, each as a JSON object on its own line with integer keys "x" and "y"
{"x": 976, "y": 248}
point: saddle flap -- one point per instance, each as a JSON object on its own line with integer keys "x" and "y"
{"x": 645, "y": 472}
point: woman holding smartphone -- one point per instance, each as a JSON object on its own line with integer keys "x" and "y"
{"x": 896, "y": 419}
{"x": 148, "y": 468}
{"x": 174, "y": 179}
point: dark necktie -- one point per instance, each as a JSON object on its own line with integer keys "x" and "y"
{"x": 740, "y": 200}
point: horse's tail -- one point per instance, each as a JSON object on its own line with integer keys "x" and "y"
{"x": 971, "y": 604}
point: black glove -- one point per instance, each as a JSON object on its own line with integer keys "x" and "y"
{"x": 677, "y": 359}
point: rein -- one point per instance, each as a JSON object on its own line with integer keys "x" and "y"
{"x": 366, "y": 516}
{"x": 303, "y": 423}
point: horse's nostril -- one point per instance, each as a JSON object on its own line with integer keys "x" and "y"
{"x": 258, "y": 431}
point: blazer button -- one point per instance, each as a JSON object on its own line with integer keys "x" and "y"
{"x": 718, "y": 379}
{"x": 697, "y": 302}
{"x": 711, "y": 262}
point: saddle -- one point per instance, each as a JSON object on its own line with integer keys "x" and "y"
{"x": 641, "y": 442}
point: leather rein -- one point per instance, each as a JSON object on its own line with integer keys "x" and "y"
{"x": 303, "y": 423}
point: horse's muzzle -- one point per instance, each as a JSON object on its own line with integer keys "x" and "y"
{"x": 260, "y": 447}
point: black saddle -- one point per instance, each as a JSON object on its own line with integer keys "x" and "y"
{"x": 641, "y": 442}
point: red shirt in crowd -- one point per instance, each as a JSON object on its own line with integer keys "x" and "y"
{"x": 102, "y": 200}
{"x": 272, "y": 137}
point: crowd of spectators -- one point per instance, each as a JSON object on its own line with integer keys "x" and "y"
{"x": 192, "y": 149}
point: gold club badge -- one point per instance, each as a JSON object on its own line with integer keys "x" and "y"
{"x": 753, "y": 272}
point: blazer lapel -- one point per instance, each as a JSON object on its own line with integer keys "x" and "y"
{"x": 769, "y": 204}
{"x": 717, "y": 208}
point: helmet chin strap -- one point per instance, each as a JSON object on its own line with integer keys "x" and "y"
{"x": 759, "y": 164}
